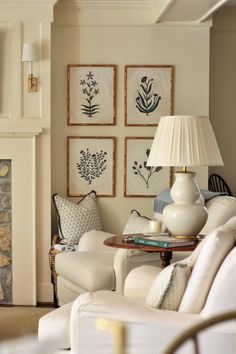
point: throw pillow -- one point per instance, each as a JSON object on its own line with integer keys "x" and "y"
{"x": 76, "y": 219}
{"x": 168, "y": 287}
{"x": 136, "y": 223}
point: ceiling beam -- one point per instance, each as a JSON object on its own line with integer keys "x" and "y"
{"x": 160, "y": 7}
{"x": 210, "y": 12}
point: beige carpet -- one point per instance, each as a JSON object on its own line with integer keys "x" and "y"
{"x": 16, "y": 321}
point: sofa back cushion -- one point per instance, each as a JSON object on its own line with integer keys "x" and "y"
{"x": 212, "y": 252}
{"x": 220, "y": 210}
{"x": 222, "y": 296}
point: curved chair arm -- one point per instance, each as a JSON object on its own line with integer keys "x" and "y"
{"x": 191, "y": 333}
{"x": 125, "y": 260}
{"x": 139, "y": 281}
{"x": 92, "y": 241}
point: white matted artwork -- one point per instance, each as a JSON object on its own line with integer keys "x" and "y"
{"x": 91, "y": 94}
{"x": 148, "y": 94}
{"x": 90, "y": 166}
{"x": 141, "y": 180}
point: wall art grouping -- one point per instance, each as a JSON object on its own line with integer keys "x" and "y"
{"x": 90, "y": 165}
{"x": 141, "y": 180}
{"x": 91, "y": 101}
{"x": 91, "y": 94}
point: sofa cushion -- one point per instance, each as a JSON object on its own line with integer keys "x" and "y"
{"x": 167, "y": 289}
{"x": 136, "y": 223}
{"x": 222, "y": 296}
{"x": 91, "y": 271}
{"x": 56, "y": 325}
{"x": 213, "y": 250}
{"x": 76, "y": 219}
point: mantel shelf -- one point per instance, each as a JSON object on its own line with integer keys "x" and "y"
{"x": 12, "y": 132}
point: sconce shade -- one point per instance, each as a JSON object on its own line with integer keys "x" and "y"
{"x": 29, "y": 52}
{"x": 184, "y": 141}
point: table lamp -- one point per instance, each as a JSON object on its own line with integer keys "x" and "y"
{"x": 184, "y": 141}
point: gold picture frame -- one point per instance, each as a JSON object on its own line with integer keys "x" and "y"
{"x": 91, "y": 165}
{"x": 139, "y": 179}
{"x": 148, "y": 94}
{"x": 91, "y": 94}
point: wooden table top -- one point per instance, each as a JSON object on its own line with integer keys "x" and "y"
{"x": 118, "y": 242}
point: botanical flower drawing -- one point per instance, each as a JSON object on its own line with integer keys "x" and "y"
{"x": 147, "y": 100}
{"x": 91, "y": 165}
{"x": 90, "y": 90}
{"x": 143, "y": 171}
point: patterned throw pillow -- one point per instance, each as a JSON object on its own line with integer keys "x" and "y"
{"x": 76, "y": 219}
{"x": 168, "y": 288}
{"x": 136, "y": 223}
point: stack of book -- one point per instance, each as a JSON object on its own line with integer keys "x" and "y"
{"x": 164, "y": 241}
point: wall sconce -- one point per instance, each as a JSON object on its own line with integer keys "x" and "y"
{"x": 30, "y": 54}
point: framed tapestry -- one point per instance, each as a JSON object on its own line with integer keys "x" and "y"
{"x": 90, "y": 166}
{"x": 91, "y": 94}
{"x": 148, "y": 94}
{"x": 141, "y": 180}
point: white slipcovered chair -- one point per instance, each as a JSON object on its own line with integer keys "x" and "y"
{"x": 157, "y": 304}
{"x": 95, "y": 266}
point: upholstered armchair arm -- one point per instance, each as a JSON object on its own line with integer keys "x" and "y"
{"x": 92, "y": 241}
{"x": 125, "y": 260}
{"x": 139, "y": 281}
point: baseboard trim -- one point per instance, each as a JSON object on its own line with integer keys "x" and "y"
{"x": 45, "y": 304}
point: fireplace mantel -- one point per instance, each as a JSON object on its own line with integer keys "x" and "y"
{"x": 18, "y": 146}
{"x": 21, "y": 132}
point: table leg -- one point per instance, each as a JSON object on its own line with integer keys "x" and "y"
{"x": 165, "y": 258}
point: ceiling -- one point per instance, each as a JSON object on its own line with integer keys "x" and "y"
{"x": 151, "y": 11}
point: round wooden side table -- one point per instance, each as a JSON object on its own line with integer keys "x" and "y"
{"x": 165, "y": 254}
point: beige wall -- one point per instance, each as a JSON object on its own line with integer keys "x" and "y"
{"x": 185, "y": 47}
{"x": 223, "y": 90}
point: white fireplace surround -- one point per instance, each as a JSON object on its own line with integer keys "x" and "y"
{"x": 19, "y": 146}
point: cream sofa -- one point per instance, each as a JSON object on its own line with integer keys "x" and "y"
{"x": 209, "y": 290}
{"x": 98, "y": 267}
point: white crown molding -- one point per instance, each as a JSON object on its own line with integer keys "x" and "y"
{"x": 108, "y": 4}
{"x": 135, "y": 12}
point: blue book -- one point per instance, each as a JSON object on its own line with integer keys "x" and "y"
{"x": 163, "y": 241}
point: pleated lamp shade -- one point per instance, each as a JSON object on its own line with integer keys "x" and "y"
{"x": 184, "y": 141}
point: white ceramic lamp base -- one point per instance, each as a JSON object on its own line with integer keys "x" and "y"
{"x": 185, "y": 218}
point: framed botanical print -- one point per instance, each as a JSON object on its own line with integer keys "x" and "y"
{"x": 141, "y": 180}
{"x": 90, "y": 166}
{"x": 148, "y": 94}
{"x": 91, "y": 94}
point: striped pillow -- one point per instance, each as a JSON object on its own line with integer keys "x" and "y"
{"x": 168, "y": 287}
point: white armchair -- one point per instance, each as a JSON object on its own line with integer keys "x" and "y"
{"x": 151, "y": 314}
{"x": 95, "y": 266}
